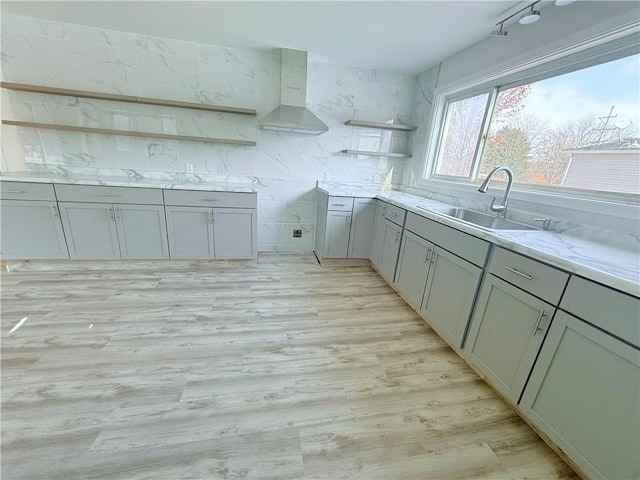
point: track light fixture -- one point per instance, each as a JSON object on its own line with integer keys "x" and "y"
{"x": 531, "y": 16}
{"x": 501, "y": 32}
{"x": 528, "y": 17}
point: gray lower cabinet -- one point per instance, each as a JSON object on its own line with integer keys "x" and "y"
{"x": 114, "y": 231}
{"x": 449, "y": 294}
{"x": 204, "y": 232}
{"x": 584, "y": 393}
{"x": 90, "y": 230}
{"x": 390, "y": 248}
{"x": 142, "y": 231}
{"x": 378, "y": 230}
{"x": 336, "y": 239}
{"x": 362, "y": 220}
{"x": 234, "y": 233}
{"x": 506, "y": 331}
{"x": 413, "y": 268}
{"x": 31, "y": 230}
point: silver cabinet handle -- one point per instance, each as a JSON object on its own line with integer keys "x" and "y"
{"x": 210, "y": 200}
{"x": 116, "y": 213}
{"x": 338, "y": 204}
{"x": 397, "y": 237}
{"x": 434, "y": 255}
{"x": 513, "y": 270}
{"x": 112, "y": 215}
{"x": 13, "y": 191}
{"x": 393, "y": 214}
{"x": 537, "y": 328}
{"x": 428, "y": 256}
{"x": 109, "y": 195}
{"x": 545, "y": 222}
{"x": 54, "y": 211}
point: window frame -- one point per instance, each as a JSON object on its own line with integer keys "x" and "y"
{"x": 537, "y": 69}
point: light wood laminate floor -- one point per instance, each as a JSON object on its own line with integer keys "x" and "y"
{"x": 176, "y": 370}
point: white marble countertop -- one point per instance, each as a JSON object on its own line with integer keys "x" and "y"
{"x": 614, "y": 267}
{"x": 122, "y": 181}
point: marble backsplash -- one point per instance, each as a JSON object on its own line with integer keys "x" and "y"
{"x": 283, "y": 167}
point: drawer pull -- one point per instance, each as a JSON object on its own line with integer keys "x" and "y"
{"x": 338, "y": 204}
{"x": 513, "y": 270}
{"x": 109, "y": 195}
{"x": 13, "y": 191}
{"x": 210, "y": 199}
{"x": 537, "y": 328}
{"x": 393, "y": 214}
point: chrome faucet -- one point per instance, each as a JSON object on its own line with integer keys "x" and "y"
{"x": 500, "y": 209}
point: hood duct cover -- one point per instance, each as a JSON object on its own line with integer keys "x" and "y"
{"x": 292, "y": 115}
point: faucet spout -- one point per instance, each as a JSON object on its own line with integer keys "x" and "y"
{"x": 501, "y": 208}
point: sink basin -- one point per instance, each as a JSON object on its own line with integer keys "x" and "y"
{"x": 481, "y": 219}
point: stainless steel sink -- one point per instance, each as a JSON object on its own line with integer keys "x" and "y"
{"x": 481, "y": 219}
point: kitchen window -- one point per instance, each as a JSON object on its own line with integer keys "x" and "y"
{"x": 577, "y": 130}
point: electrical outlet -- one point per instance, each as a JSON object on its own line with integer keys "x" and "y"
{"x": 188, "y": 167}
{"x": 297, "y": 233}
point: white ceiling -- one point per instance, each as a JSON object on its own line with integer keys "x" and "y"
{"x": 397, "y": 36}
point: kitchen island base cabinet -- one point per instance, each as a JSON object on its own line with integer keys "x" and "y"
{"x": 215, "y": 233}
{"x": 114, "y": 231}
{"x": 451, "y": 289}
{"x": 31, "y": 230}
{"x": 584, "y": 394}
{"x": 505, "y": 334}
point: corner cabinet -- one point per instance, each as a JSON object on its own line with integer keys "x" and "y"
{"x": 584, "y": 392}
{"x": 344, "y": 227}
{"x": 198, "y": 229}
{"x": 31, "y": 227}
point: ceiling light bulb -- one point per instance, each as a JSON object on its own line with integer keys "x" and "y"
{"x": 562, "y": 3}
{"x": 529, "y": 17}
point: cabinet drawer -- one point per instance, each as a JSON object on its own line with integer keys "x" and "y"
{"x": 613, "y": 311}
{"x": 459, "y": 243}
{"x": 203, "y": 198}
{"x": 27, "y": 191}
{"x": 534, "y": 277}
{"x": 100, "y": 194}
{"x": 344, "y": 204}
{"x": 395, "y": 214}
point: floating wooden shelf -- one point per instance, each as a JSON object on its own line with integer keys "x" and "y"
{"x": 385, "y": 126}
{"x": 377, "y": 154}
{"x": 127, "y": 133}
{"x": 126, "y": 98}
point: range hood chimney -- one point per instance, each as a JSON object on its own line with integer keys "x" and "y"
{"x": 292, "y": 115}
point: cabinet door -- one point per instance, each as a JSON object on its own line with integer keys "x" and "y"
{"x": 391, "y": 235}
{"x": 506, "y": 331}
{"x": 364, "y": 216}
{"x": 413, "y": 267}
{"x": 449, "y": 295}
{"x": 336, "y": 239}
{"x": 142, "y": 231}
{"x": 90, "y": 229}
{"x": 190, "y": 232}
{"x": 378, "y": 230}
{"x": 31, "y": 230}
{"x": 584, "y": 393}
{"x": 235, "y": 233}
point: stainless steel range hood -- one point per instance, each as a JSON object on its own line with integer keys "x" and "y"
{"x": 292, "y": 115}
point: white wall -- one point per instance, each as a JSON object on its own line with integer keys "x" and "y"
{"x": 284, "y": 167}
{"x": 559, "y": 28}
